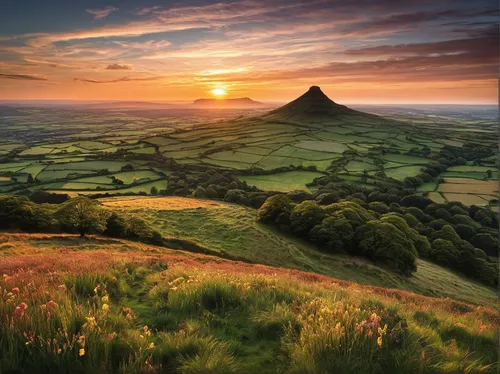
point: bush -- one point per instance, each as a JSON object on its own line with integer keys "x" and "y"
{"x": 41, "y": 197}
{"x": 416, "y": 201}
{"x": 384, "y": 242}
{"x": 200, "y": 192}
{"x": 487, "y": 243}
{"x": 276, "y": 208}
{"x": 236, "y": 196}
{"x": 82, "y": 215}
{"x": 334, "y": 233}
{"x": 305, "y": 216}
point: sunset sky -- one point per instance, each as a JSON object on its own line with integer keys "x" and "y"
{"x": 358, "y": 51}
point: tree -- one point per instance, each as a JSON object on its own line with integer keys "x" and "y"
{"x": 154, "y": 191}
{"x": 489, "y": 173}
{"x": 384, "y": 242}
{"x": 83, "y": 216}
{"x": 416, "y": 201}
{"x": 487, "y": 243}
{"x": 336, "y": 233}
{"x": 420, "y": 242}
{"x": 276, "y": 208}
{"x": 305, "y": 216}
{"x": 30, "y": 179}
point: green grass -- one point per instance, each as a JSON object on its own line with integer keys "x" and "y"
{"x": 120, "y": 307}
{"x": 402, "y": 172}
{"x": 283, "y": 182}
{"x": 233, "y": 229}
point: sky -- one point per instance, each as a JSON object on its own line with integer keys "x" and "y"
{"x": 357, "y": 51}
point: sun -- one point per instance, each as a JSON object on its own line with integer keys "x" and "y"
{"x": 219, "y": 92}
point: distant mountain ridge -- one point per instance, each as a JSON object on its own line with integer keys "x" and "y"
{"x": 243, "y": 102}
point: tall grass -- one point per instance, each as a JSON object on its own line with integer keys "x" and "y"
{"x": 139, "y": 317}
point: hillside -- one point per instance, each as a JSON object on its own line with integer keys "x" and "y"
{"x": 230, "y": 229}
{"x": 314, "y": 105}
{"x": 140, "y": 308}
{"x": 442, "y": 157}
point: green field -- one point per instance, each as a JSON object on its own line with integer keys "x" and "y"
{"x": 232, "y": 229}
{"x": 284, "y": 182}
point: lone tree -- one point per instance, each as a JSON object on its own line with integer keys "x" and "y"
{"x": 83, "y": 216}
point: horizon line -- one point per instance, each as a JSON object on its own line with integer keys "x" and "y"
{"x": 263, "y": 101}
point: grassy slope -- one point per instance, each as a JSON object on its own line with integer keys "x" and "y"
{"x": 233, "y": 229}
{"x": 210, "y": 315}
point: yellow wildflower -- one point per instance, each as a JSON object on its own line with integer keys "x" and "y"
{"x": 152, "y": 345}
{"x": 81, "y": 340}
{"x": 105, "y": 299}
{"x": 379, "y": 341}
{"x": 81, "y": 352}
{"x": 105, "y": 307}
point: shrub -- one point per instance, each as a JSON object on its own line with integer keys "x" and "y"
{"x": 487, "y": 243}
{"x": 384, "y": 242}
{"x": 335, "y": 233}
{"x": 305, "y": 216}
{"x": 277, "y": 206}
{"x": 416, "y": 201}
{"x": 83, "y": 216}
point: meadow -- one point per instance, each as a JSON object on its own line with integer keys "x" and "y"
{"x": 108, "y": 305}
{"x": 360, "y": 149}
{"x": 224, "y": 292}
{"x": 231, "y": 230}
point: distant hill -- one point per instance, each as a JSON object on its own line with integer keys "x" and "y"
{"x": 314, "y": 104}
{"x": 244, "y": 102}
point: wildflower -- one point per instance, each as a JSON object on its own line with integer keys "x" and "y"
{"x": 62, "y": 287}
{"x": 129, "y": 317}
{"x": 382, "y": 331}
{"x": 90, "y": 320}
{"x": 482, "y": 328}
{"x": 15, "y": 290}
{"x": 20, "y": 309}
{"x": 52, "y": 304}
{"x": 81, "y": 340}
{"x": 81, "y": 352}
{"x": 379, "y": 341}
{"x": 151, "y": 346}
{"x": 105, "y": 307}
{"x": 105, "y": 299}
{"x": 337, "y": 326}
{"x": 141, "y": 336}
{"x": 59, "y": 351}
{"x": 111, "y": 336}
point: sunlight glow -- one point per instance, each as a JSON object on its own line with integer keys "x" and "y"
{"x": 219, "y": 92}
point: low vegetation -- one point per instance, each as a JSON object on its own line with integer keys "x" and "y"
{"x": 116, "y": 307}
{"x": 450, "y": 234}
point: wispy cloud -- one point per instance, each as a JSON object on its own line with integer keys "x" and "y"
{"x": 102, "y": 13}
{"x": 28, "y": 77}
{"x": 123, "y": 79}
{"x": 118, "y": 67}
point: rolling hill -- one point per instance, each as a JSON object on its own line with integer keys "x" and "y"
{"x": 108, "y": 305}
{"x": 314, "y": 105}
